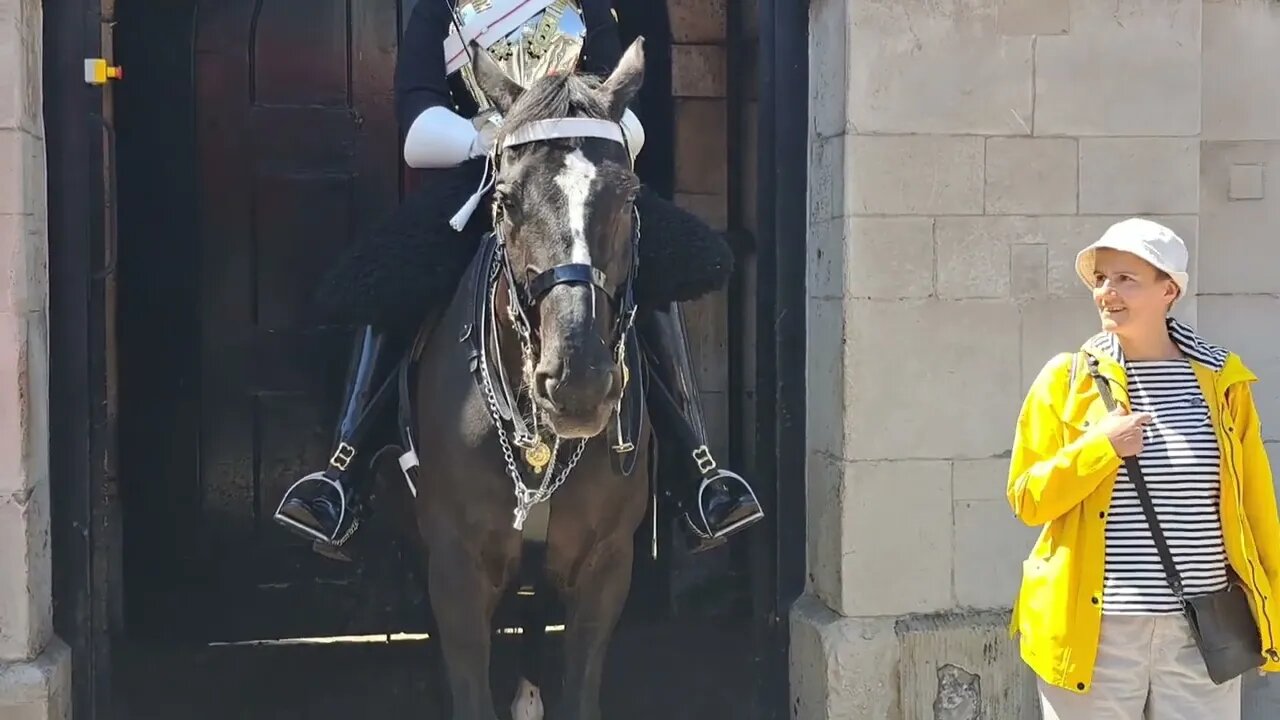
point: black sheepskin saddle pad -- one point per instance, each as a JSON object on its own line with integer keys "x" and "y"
{"x": 414, "y": 260}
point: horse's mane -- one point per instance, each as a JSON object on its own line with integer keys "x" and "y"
{"x": 557, "y": 96}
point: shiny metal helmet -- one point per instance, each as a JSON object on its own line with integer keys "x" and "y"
{"x": 528, "y": 38}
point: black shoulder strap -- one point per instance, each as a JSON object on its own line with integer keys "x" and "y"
{"x": 1139, "y": 484}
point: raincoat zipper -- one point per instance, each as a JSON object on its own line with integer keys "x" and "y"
{"x": 1253, "y": 570}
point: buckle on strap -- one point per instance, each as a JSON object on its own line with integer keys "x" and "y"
{"x": 706, "y": 464}
{"x": 342, "y": 456}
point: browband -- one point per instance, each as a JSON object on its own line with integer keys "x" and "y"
{"x": 565, "y": 128}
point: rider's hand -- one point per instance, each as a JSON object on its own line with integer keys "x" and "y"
{"x": 487, "y": 126}
{"x": 1124, "y": 430}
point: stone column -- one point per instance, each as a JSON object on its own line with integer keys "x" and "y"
{"x": 961, "y": 154}
{"x": 35, "y": 665}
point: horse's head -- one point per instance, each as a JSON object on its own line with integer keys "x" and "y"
{"x": 563, "y": 206}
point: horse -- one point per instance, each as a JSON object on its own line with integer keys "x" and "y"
{"x": 540, "y": 384}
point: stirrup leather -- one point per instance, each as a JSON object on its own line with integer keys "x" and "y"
{"x": 703, "y": 528}
{"x": 342, "y": 513}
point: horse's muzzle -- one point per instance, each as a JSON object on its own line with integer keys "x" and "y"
{"x": 578, "y": 393}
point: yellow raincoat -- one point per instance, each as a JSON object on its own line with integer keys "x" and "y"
{"x": 1061, "y": 476}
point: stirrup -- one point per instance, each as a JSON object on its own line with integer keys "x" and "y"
{"x": 307, "y": 532}
{"x": 703, "y": 529}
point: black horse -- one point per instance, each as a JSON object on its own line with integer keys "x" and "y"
{"x": 534, "y": 375}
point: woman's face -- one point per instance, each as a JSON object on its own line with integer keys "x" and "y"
{"x": 1130, "y": 292}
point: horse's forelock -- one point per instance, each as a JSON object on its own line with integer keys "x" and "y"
{"x": 557, "y": 96}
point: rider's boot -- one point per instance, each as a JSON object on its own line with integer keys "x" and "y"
{"x": 324, "y": 506}
{"x": 720, "y": 502}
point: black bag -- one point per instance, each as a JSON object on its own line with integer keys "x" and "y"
{"x": 1221, "y": 622}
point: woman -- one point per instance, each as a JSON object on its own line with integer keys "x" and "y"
{"x": 414, "y": 261}
{"x": 1099, "y": 622}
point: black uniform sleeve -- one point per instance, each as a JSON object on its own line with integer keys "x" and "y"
{"x": 602, "y": 49}
{"x": 420, "y": 79}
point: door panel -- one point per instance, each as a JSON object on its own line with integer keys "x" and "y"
{"x": 295, "y": 156}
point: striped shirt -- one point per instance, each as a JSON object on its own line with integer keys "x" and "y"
{"x": 1180, "y": 463}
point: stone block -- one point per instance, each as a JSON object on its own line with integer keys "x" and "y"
{"x": 1139, "y": 175}
{"x": 828, "y": 52}
{"x": 1242, "y": 251}
{"x": 38, "y": 689}
{"x": 826, "y": 262}
{"x": 1034, "y": 17}
{"x": 711, "y": 209}
{"x": 1031, "y": 176}
{"x": 889, "y": 566}
{"x": 698, "y": 71}
{"x": 963, "y": 666}
{"x": 889, "y": 257}
{"x": 702, "y": 146}
{"x": 697, "y": 21}
{"x": 1233, "y": 321}
{"x": 22, "y": 186}
{"x": 990, "y": 545}
{"x": 1157, "y": 42}
{"x": 1028, "y": 271}
{"x": 26, "y": 605}
{"x": 962, "y": 360}
{"x": 842, "y": 668}
{"x": 825, "y": 358}
{"x": 824, "y": 516}
{"x": 983, "y": 479}
{"x": 908, "y": 59}
{"x": 21, "y": 89}
{"x": 913, "y": 175}
{"x": 1247, "y": 182}
{"x": 1259, "y": 696}
{"x": 977, "y": 256}
{"x": 1241, "y": 49}
{"x": 24, "y": 262}
{"x": 826, "y": 178}
{"x": 1050, "y": 327}
{"x": 24, "y": 402}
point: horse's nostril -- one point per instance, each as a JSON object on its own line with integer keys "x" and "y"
{"x": 547, "y": 384}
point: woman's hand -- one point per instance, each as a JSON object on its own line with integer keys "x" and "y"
{"x": 1124, "y": 430}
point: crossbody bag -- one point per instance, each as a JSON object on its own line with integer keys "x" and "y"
{"x": 1221, "y": 622}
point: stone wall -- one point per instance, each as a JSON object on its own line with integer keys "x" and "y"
{"x": 962, "y": 151}
{"x": 34, "y": 664}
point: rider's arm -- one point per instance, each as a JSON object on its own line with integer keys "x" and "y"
{"x": 436, "y": 135}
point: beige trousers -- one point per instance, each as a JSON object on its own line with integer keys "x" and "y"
{"x": 1148, "y": 668}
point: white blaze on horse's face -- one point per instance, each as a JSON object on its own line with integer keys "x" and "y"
{"x": 575, "y": 180}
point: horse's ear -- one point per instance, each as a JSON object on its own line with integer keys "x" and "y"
{"x": 625, "y": 82}
{"x": 501, "y": 90}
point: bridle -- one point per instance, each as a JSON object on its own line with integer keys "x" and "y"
{"x": 524, "y": 299}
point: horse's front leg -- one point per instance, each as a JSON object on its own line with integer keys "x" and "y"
{"x": 593, "y": 604}
{"x": 464, "y": 593}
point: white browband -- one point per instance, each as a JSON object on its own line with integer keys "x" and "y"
{"x": 565, "y": 128}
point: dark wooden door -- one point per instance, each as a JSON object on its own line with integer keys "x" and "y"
{"x": 296, "y": 154}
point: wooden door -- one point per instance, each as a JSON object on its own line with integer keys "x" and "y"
{"x": 296, "y": 154}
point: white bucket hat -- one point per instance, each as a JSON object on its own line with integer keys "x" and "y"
{"x": 1149, "y": 240}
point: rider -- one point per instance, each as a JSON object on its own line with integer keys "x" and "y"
{"x": 435, "y": 94}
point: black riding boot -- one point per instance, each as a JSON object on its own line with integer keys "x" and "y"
{"x": 324, "y": 506}
{"x": 720, "y": 502}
